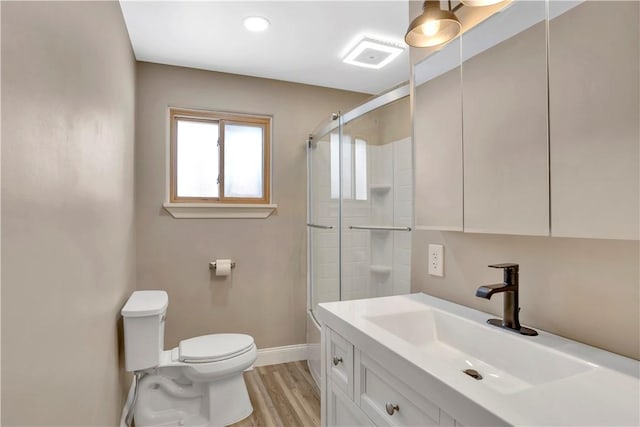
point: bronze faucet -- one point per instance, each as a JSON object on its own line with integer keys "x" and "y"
{"x": 509, "y": 287}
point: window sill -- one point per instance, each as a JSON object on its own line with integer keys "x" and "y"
{"x": 219, "y": 210}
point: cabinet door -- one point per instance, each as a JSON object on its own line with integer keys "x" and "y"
{"x": 505, "y": 126}
{"x": 437, "y": 133}
{"x": 339, "y": 362}
{"x": 342, "y": 411}
{"x": 594, "y": 108}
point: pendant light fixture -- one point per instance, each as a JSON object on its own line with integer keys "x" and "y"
{"x": 433, "y": 27}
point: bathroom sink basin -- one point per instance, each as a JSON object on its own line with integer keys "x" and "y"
{"x": 428, "y": 343}
{"x": 507, "y": 362}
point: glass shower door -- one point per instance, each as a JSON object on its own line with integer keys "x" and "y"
{"x": 323, "y": 221}
{"x": 360, "y": 207}
{"x": 377, "y": 202}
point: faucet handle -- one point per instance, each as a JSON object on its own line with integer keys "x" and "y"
{"x": 507, "y": 265}
{"x": 510, "y": 273}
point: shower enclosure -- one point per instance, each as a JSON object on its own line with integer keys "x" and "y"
{"x": 359, "y": 215}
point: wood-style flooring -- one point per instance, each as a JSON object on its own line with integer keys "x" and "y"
{"x": 282, "y": 395}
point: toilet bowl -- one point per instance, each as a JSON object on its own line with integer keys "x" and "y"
{"x": 198, "y": 383}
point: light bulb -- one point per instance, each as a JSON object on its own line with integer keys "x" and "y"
{"x": 430, "y": 28}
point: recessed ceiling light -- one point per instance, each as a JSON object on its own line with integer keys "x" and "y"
{"x": 256, "y": 23}
{"x": 371, "y": 53}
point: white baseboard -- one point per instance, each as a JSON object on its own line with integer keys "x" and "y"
{"x": 285, "y": 354}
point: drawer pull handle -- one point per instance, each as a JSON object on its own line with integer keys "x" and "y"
{"x": 391, "y": 408}
{"x": 337, "y": 360}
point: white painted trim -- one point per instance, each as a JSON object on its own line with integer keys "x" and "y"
{"x": 285, "y": 354}
{"x": 219, "y": 210}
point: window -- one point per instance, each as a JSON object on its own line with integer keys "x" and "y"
{"x": 219, "y": 157}
{"x": 354, "y": 168}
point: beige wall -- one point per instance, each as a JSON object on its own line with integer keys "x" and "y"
{"x": 68, "y": 76}
{"x": 584, "y": 289}
{"x": 266, "y": 294}
{"x": 384, "y": 125}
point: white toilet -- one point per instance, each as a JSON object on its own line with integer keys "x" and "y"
{"x": 198, "y": 383}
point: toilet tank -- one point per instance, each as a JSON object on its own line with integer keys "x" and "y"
{"x": 144, "y": 316}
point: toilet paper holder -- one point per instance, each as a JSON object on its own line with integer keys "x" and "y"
{"x": 212, "y": 265}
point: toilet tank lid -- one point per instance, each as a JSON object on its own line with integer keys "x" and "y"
{"x": 145, "y": 303}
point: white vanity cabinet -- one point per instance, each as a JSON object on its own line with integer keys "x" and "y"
{"x": 359, "y": 391}
{"x": 339, "y": 362}
{"x": 390, "y": 402}
{"x": 417, "y": 360}
{"x": 342, "y": 411}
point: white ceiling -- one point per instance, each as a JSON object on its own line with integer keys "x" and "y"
{"x": 305, "y": 42}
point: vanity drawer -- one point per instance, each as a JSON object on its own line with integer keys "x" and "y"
{"x": 379, "y": 393}
{"x": 340, "y": 363}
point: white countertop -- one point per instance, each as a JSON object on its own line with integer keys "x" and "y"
{"x": 604, "y": 391}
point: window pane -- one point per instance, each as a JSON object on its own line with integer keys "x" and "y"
{"x": 197, "y": 161}
{"x": 243, "y": 160}
{"x": 361, "y": 169}
{"x": 335, "y": 166}
{"x": 347, "y": 168}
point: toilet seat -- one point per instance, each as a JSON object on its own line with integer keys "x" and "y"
{"x": 214, "y": 348}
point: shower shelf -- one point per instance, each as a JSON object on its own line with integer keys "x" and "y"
{"x": 380, "y": 269}
{"x": 380, "y": 188}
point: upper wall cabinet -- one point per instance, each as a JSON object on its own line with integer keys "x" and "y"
{"x": 512, "y": 143}
{"x": 594, "y": 113}
{"x": 505, "y": 133}
{"x": 437, "y": 135}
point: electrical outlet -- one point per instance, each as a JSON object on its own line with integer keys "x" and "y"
{"x": 436, "y": 260}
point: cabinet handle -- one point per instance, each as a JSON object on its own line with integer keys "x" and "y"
{"x": 337, "y": 360}
{"x": 391, "y": 408}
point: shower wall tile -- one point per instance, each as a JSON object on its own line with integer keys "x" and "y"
{"x": 355, "y": 250}
{"x": 403, "y": 215}
{"x": 388, "y": 164}
{"x": 327, "y": 239}
{"x": 405, "y": 176}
